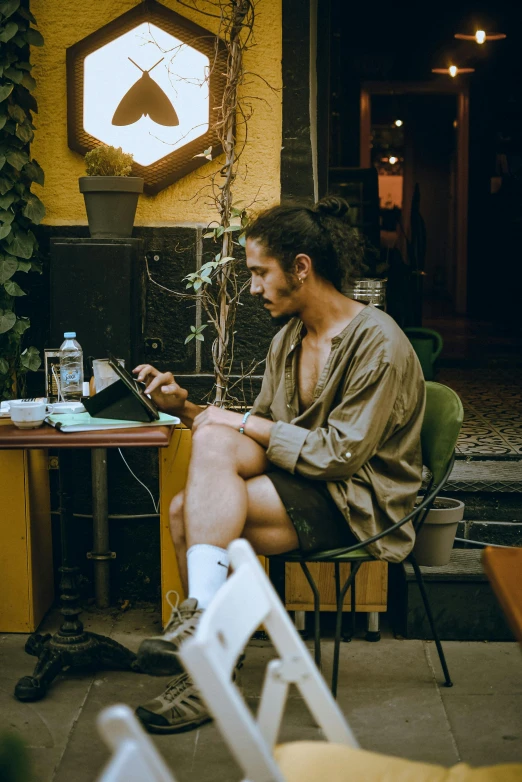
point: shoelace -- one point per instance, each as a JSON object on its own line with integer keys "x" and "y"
{"x": 175, "y": 616}
{"x": 180, "y": 684}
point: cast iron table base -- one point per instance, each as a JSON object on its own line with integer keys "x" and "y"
{"x": 71, "y": 646}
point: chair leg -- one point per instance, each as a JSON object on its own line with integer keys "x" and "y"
{"x": 317, "y": 614}
{"x": 350, "y": 581}
{"x": 427, "y": 607}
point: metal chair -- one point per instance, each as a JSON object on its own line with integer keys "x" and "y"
{"x": 440, "y": 429}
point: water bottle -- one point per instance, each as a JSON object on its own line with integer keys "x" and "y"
{"x": 71, "y": 368}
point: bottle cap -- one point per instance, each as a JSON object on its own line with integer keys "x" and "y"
{"x": 69, "y": 334}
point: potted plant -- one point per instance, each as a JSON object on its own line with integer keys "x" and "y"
{"x": 110, "y": 192}
{"x": 434, "y": 541}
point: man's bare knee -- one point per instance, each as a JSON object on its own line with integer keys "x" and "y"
{"x": 214, "y": 435}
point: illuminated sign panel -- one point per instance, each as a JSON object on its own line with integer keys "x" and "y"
{"x": 144, "y": 83}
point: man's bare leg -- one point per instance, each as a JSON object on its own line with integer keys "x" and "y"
{"x": 268, "y": 527}
{"x": 215, "y": 507}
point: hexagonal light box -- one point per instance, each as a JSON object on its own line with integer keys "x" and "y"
{"x": 147, "y": 82}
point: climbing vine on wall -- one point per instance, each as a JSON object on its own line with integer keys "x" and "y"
{"x": 20, "y": 209}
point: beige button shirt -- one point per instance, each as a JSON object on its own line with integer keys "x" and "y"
{"x": 361, "y": 434}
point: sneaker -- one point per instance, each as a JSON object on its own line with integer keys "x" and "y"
{"x": 177, "y": 709}
{"x": 158, "y": 656}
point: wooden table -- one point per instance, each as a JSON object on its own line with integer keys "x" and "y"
{"x": 503, "y": 567}
{"x": 71, "y": 646}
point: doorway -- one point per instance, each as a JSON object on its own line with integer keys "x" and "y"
{"x": 416, "y": 136}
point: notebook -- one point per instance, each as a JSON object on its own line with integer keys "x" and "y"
{"x": 83, "y": 422}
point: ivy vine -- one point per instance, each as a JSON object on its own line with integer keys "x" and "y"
{"x": 19, "y": 208}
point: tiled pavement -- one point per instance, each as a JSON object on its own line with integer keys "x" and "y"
{"x": 389, "y": 691}
{"x": 492, "y": 400}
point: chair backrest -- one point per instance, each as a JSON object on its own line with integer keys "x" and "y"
{"x": 245, "y": 602}
{"x": 443, "y": 418}
{"x": 134, "y": 758}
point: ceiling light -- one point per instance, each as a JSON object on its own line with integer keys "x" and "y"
{"x": 480, "y": 36}
{"x": 453, "y": 70}
{"x": 399, "y": 123}
{"x": 393, "y": 160}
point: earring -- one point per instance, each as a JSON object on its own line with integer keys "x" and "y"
{"x": 301, "y": 280}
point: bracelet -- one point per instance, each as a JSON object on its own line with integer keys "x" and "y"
{"x": 243, "y": 422}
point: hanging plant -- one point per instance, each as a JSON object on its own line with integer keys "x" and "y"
{"x": 20, "y": 209}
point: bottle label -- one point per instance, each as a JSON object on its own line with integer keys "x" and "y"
{"x": 70, "y": 377}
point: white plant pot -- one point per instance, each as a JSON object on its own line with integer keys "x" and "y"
{"x": 434, "y": 542}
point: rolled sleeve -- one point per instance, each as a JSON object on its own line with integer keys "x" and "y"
{"x": 354, "y": 431}
{"x": 286, "y": 443}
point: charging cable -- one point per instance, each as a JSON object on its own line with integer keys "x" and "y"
{"x": 155, "y": 504}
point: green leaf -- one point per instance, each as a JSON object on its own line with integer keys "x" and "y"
{"x": 16, "y": 112}
{"x": 28, "y": 81}
{"x": 14, "y": 74}
{"x": 22, "y": 244}
{"x": 25, "y": 98}
{"x": 8, "y": 32}
{"x": 34, "y": 172}
{"x": 20, "y": 40}
{"x": 24, "y": 266}
{"x": 3, "y": 120}
{"x": 24, "y": 66}
{"x": 21, "y": 325}
{"x": 6, "y": 216}
{"x": 5, "y": 230}
{"x": 34, "y": 37}
{"x": 5, "y": 91}
{"x": 2, "y": 161}
{"x": 25, "y": 133}
{"x": 13, "y": 289}
{"x": 8, "y": 7}
{"x": 6, "y": 184}
{"x": 4, "y": 366}
{"x": 190, "y": 336}
{"x": 17, "y": 158}
{"x": 30, "y": 359}
{"x": 7, "y": 200}
{"x": 209, "y": 235}
{"x": 197, "y": 285}
{"x": 200, "y": 337}
{"x": 242, "y": 240}
{"x": 7, "y": 320}
{"x": 34, "y": 210}
{"x": 8, "y": 266}
{"x": 26, "y": 14}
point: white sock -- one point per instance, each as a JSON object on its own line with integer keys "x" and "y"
{"x": 207, "y": 571}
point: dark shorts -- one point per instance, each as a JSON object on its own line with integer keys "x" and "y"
{"x": 317, "y": 520}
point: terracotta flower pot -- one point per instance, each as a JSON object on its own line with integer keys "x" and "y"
{"x": 434, "y": 542}
{"x": 111, "y": 203}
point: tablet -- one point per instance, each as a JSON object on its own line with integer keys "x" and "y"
{"x": 136, "y": 388}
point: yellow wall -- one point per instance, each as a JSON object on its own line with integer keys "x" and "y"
{"x": 63, "y": 24}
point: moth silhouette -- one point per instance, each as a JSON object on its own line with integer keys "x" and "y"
{"x": 145, "y": 98}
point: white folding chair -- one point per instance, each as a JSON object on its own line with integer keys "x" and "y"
{"x": 134, "y": 758}
{"x": 245, "y": 602}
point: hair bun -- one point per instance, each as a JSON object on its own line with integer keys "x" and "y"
{"x": 332, "y": 206}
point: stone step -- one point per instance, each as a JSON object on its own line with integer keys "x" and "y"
{"x": 491, "y": 491}
{"x": 496, "y": 476}
{"x": 462, "y": 601}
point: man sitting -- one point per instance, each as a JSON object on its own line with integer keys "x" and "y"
{"x": 330, "y": 452}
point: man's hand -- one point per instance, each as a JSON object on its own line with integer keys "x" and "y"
{"x": 217, "y": 415}
{"x": 167, "y": 395}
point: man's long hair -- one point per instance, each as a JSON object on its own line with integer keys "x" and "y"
{"x": 324, "y": 233}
